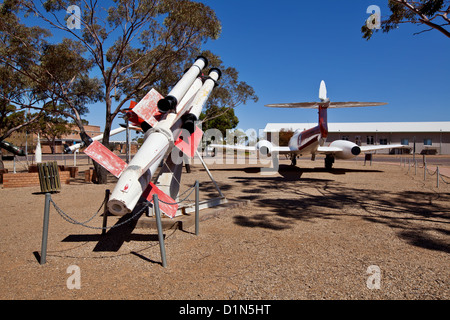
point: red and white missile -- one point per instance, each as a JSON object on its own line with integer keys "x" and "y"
{"x": 134, "y": 178}
{"x": 197, "y": 107}
{"x": 179, "y": 91}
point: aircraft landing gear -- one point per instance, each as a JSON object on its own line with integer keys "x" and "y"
{"x": 294, "y": 160}
{"x": 329, "y": 160}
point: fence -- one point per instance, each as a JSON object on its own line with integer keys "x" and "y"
{"x": 426, "y": 172}
{"x": 104, "y": 227}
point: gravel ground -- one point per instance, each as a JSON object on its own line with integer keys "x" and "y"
{"x": 306, "y": 234}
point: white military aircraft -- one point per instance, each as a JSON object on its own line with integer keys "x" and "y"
{"x": 312, "y": 141}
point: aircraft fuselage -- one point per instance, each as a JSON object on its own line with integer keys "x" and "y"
{"x": 307, "y": 141}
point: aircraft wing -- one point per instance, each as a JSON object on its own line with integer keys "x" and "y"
{"x": 329, "y": 150}
{"x": 306, "y": 105}
{"x": 313, "y": 105}
{"x": 280, "y": 150}
{"x": 381, "y": 147}
{"x": 353, "y": 104}
{"x": 233, "y": 147}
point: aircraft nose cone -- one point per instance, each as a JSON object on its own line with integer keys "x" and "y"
{"x": 356, "y": 150}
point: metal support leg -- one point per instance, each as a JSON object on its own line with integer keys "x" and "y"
{"x": 105, "y": 212}
{"x": 197, "y": 210}
{"x": 209, "y": 174}
{"x": 160, "y": 230}
{"x": 424, "y": 171}
{"x": 437, "y": 177}
{"x": 45, "y": 228}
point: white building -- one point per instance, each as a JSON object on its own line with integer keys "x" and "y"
{"x": 429, "y": 137}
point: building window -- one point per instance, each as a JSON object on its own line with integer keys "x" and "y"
{"x": 405, "y": 142}
{"x": 383, "y": 141}
{"x": 427, "y": 142}
{"x": 370, "y": 140}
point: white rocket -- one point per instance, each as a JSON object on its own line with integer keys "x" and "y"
{"x": 164, "y": 116}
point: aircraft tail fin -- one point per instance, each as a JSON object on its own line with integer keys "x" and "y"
{"x": 325, "y": 102}
{"x": 323, "y": 91}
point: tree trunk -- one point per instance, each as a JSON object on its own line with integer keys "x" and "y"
{"x": 1, "y": 160}
{"x": 102, "y": 174}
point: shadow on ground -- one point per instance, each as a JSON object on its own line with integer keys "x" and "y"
{"x": 420, "y": 218}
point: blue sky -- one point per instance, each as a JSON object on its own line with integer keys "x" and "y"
{"x": 284, "y": 48}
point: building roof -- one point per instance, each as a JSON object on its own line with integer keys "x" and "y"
{"x": 443, "y": 126}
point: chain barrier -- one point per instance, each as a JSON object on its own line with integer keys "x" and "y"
{"x": 429, "y": 172}
{"x": 443, "y": 180}
{"x": 71, "y": 220}
{"x": 191, "y": 189}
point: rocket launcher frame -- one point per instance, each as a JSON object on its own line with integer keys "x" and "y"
{"x": 134, "y": 179}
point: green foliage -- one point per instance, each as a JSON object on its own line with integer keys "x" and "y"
{"x": 134, "y": 45}
{"x": 229, "y": 94}
{"x": 221, "y": 118}
{"x": 47, "y": 79}
{"x": 432, "y": 13}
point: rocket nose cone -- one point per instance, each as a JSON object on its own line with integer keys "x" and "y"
{"x": 166, "y": 104}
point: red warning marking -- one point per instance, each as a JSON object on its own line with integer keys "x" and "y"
{"x": 106, "y": 158}
{"x": 147, "y": 108}
{"x": 168, "y": 209}
{"x": 133, "y": 117}
{"x": 189, "y": 147}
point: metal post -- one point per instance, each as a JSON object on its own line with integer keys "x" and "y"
{"x": 437, "y": 177}
{"x": 105, "y": 211}
{"x": 197, "y": 211}
{"x": 160, "y": 230}
{"x": 45, "y": 229}
{"x": 415, "y": 167}
{"x": 127, "y": 147}
{"x": 424, "y": 171}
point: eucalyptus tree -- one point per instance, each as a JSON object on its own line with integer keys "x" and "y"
{"x": 125, "y": 47}
{"x": 434, "y": 14}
